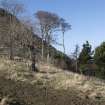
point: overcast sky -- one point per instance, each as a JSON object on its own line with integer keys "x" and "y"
{"x": 87, "y": 18}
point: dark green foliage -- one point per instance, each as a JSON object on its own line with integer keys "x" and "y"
{"x": 100, "y": 55}
{"x": 61, "y": 60}
{"x": 58, "y": 56}
{"x": 99, "y": 58}
{"x": 100, "y": 73}
{"x": 86, "y": 54}
{"x": 2, "y": 12}
{"x": 86, "y": 63}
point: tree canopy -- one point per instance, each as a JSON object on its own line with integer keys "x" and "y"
{"x": 100, "y": 55}
{"x": 86, "y": 53}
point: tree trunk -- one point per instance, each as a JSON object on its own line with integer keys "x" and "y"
{"x": 33, "y": 64}
{"x": 11, "y": 38}
{"x": 11, "y": 51}
{"x": 11, "y": 46}
{"x": 33, "y": 58}
{"x": 63, "y": 43}
{"x": 42, "y": 43}
{"x": 42, "y": 50}
{"x": 48, "y": 50}
{"x": 48, "y": 55}
{"x": 76, "y": 65}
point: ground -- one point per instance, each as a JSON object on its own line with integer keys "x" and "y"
{"x": 50, "y": 86}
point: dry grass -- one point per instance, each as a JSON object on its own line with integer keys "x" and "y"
{"x": 51, "y": 86}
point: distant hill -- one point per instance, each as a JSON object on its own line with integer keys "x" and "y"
{"x": 56, "y": 57}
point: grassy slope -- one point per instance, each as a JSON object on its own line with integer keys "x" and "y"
{"x": 51, "y": 86}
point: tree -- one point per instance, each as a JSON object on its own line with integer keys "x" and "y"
{"x": 27, "y": 40}
{"x": 14, "y": 9}
{"x": 85, "y": 54}
{"x": 85, "y": 57}
{"x": 76, "y": 55}
{"x": 64, "y": 27}
{"x": 49, "y": 22}
{"x": 19, "y": 33}
{"x": 99, "y": 56}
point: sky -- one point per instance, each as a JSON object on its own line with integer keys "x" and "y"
{"x": 87, "y": 18}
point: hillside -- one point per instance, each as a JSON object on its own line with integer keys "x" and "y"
{"x": 51, "y": 86}
{"x": 55, "y": 56}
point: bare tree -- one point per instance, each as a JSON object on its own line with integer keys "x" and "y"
{"x": 64, "y": 27}
{"x": 49, "y": 22}
{"x": 39, "y": 16}
{"x": 27, "y": 40}
{"x": 19, "y": 33}
{"x": 14, "y": 9}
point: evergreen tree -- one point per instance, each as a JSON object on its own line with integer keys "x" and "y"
{"x": 86, "y": 54}
{"x": 100, "y": 56}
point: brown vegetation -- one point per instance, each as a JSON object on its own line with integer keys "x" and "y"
{"x": 51, "y": 86}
